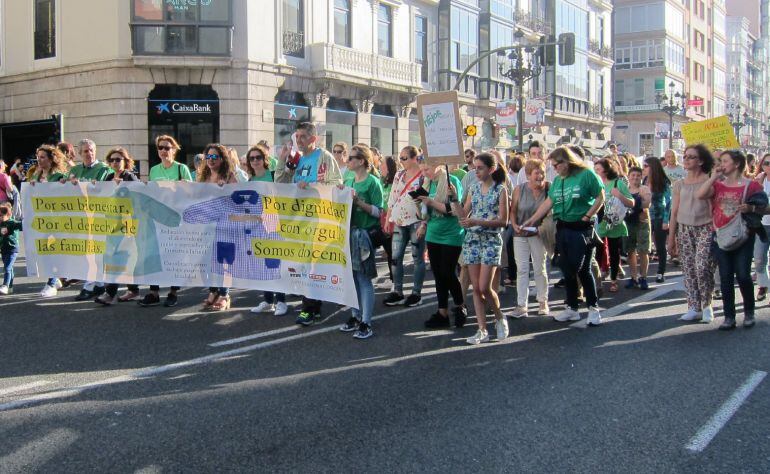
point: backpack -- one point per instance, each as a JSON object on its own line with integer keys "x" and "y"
{"x": 614, "y": 210}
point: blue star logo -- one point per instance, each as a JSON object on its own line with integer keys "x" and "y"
{"x": 292, "y": 113}
{"x": 163, "y": 108}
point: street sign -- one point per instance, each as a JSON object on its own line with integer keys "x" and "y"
{"x": 694, "y": 102}
{"x": 440, "y": 127}
{"x": 470, "y": 130}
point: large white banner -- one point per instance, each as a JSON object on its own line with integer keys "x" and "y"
{"x": 264, "y": 236}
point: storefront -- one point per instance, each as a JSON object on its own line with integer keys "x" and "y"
{"x": 383, "y": 129}
{"x": 290, "y": 109}
{"x": 340, "y": 120}
{"x": 21, "y": 139}
{"x": 190, "y": 114}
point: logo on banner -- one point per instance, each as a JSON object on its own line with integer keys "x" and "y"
{"x": 534, "y": 114}
{"x": 505, "y": 114}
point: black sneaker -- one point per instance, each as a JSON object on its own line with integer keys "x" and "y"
{"x": 99, "y": 290}
{"x": 393, "y": 299}
{"x": 461, "y": 315}
{"x": 413, "y": 300}
{"x": 84, "y": 295}
{"x": 351, "y": 325}
{"x": 559, "y": 284}
{"x": 437, "y": 321}
{"x": 749, "y": 321}
{"x": 150, "y": 299}
{"x": 660, "y": 278}
{"x": 364, "y": 331}
{"x": 171, "y": 300}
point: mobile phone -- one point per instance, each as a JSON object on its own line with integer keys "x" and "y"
{"x": 417, "y": 193}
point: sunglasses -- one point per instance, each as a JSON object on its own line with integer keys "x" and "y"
{"x": 114, "y": 160}
{"x": 256, "y": 157}
{"x": 353, "y": 157}
{"x": 213, "y": 157}
{"x": 338, "y": 152}
{"x": 164, "y": 148}
{"x": 690, "y": 157}
{"x": 403, "y": 159}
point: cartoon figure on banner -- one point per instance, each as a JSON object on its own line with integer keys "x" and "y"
{"x": 122, "y": 255}
{"x": 239, "y": 219}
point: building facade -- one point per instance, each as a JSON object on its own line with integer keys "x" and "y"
{"x": 662, "y": 43}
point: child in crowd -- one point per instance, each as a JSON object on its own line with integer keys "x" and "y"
{"x": 9, "y": 245}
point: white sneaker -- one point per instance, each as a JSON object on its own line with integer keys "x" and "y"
{"x": 478, "y": 338}
{"x": 594, "y": 316}
{"x": 544, "y": 310}
{"x": 57, "y": 284}
{"x": 708, "y": 315}
{"x": 49, "y": 291}
{"x": 691, "y": 315}
{"x": 263, "y": 307}
{"x": 568, "y": 314}
{"x": 3, "y": 289}
{"x": 502, "y": 328}
{"x": 519, "y": 312}
{"x": 281, "y": 308}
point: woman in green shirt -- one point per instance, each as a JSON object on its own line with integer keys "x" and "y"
{"x": 575, "y": 197}
{"x": 367, "y": 206}
{"x": 615, "y": 188}
{"x": 444, "y": 238}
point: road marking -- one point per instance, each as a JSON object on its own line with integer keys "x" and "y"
{"x": 35, "y": 454}
{"x": 702, "y": 438}
{"x": 21, "y": 388}
{"x": 623, "y": 307}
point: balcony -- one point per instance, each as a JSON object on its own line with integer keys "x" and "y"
{"x": 338, "y": 62}
{"x": 598, "y": 49}
{"x": 294, "y": 44}
{"x": 533, "y": 22}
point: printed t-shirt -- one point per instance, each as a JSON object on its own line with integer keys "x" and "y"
{"x": 574, "y": 195}
{"x": 726, "y": 199}
{"x": 370, "y": 191}
{"x": 307, "y": 168}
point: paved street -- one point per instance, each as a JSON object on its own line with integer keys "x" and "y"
{"x": 129, "y": 389}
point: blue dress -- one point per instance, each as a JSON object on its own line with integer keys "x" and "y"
{"x": 483, "y": 245}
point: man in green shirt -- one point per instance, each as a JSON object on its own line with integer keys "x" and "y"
{"x": 90, "y": 169}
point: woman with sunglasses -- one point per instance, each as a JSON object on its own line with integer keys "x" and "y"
{"x": 761, "y": 248}
{"x": 367, "y": 204}
{"x": 122, "y": 165}
{"x": 258, "y": 162}
{"x": 690, "y": 234}
{"x": 167, "y": 170}
{"x": 218, "y": 169}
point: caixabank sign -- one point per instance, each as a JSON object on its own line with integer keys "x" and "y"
{"x": 184, "y": 107}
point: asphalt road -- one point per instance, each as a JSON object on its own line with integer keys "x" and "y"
{"x": 85, "y": 388}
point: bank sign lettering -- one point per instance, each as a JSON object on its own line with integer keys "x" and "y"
{"x": 182, "y": 108}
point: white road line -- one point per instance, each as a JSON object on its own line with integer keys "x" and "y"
{"x": 21, "y": 388}
{"x": 703, "y": 437}
{"x": 35, "y": 454}
{"x": 623, "y": 307}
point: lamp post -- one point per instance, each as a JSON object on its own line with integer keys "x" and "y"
{"x": 520, "y": 65}
{"x": 672, "y": 104}
{"x": 737, "y": 124}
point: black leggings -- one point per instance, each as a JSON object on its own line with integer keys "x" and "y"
{"x": 443, "y": 262}
{"x": 388, "y": 247}
{"x": 112, "y": 289}
{"x": 659, "y": 237}
{"x": 156, "y": 288}
{"x": 615, "y": 244}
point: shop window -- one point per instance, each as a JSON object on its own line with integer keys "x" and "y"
{"x": 45, "y": 29}
{"x": 179, "y": 27}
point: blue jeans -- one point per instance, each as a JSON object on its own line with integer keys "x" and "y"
{"x": 8, "y": 260}
{"x": 760, "y": 260}
{"x": 365, "y": 294}
{"x": 403, "y": 236}
{"x": 575, "y": 256}
{"x": 272, "y": 298}
{"x": 735, "y": 265}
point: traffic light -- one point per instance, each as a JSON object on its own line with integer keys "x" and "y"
{"x": 547, "y": 53}
{"x": 566, "y": 49}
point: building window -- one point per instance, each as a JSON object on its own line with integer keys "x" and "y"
{"x": 293, "y": 38}
{"x": 600, "y": 31}
{"x": 464, "y": 33}
{"x": 384, "y": 30}
{"x": 620, "y": 89}
{"x": 421, "y": 45}
{"x": 600, "y": 90}
{"x": 45, "y": 29}
{"x": 182, "y": 28}
{"x": 639, "y": 18}
{"x": 503, "y": 8}
{"x": 342, "y": 22}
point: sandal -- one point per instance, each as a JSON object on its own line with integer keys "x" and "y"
{"x": 128, "y": 296}
{"x": 212, "y": 298}
{"x": 222, "y": 303}
{"x": 613, "y": 287}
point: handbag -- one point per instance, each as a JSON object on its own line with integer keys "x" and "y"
{"x": 614, "y": 210}
{"x": 735, "y": 233}
{"x": 388, "y": 226}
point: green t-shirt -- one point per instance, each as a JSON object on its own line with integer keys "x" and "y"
{"x": 175, "y": 172}
{"x": 574, "y": 195}
{"x": 347, "y": 175}
{"x": 370, "y": 191}
{"x": 98, "y": 171}
{"x": 620, "y": 230}
{"x": 385, "y": 195}
{"x": 9, "y": 235}
{"x": 272, "y": 164}
{"x": 459, "y": 173}
{"x": 268, "y": 177}
{"x": 443, "y": 229}
{"x": 52, "y": 178}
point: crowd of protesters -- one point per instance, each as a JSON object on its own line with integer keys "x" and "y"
{"x": 584, "y": 215}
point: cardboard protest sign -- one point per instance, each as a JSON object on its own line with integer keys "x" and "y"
{"x": 440, "y": 127}
{"x": 716, "y": 133}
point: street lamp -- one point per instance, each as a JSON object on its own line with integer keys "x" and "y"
{"x": 520, "y": 65}
{"x": 672, "y": 104}
{"x": 737, "y": 124}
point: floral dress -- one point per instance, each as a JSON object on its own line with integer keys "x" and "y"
{"x": 483, "y": 245}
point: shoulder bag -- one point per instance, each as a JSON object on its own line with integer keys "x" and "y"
{"x": 735, "y": 233}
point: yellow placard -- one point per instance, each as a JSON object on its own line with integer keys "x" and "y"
{"x": 312, "y": 231}
{"x": 716, "y": 133}
{"x": 54, "y": 246}
{"x": 305, "y": 207}
{"x": 85, "y": 225}
{"x": 300, "y": 252}
{"x": 90, "y": 205}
